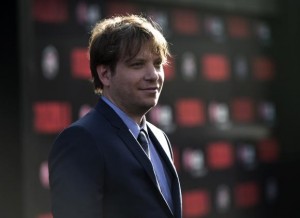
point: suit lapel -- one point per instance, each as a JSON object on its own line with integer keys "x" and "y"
{"x": 126, "y": 136}
{"x": 139, "y": 154}
{"x": 163, "y": 147}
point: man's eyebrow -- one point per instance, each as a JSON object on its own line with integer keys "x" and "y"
{"x": 128, "y": 60}
{"x": 141, "y": 58}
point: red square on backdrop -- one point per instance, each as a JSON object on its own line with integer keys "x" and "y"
{"x": 176, "y": 157}
{"x": 268, "y": 150}
{"x": 54, "y": 11}
{"x": 220, "y": 155}
{"x": 80, "y": 66}
{"x": 195, "y": 203}
{"x": 238, "y": 27}
{"x": 190, "y": 112}
{"x": 247, "y": 194}
{"x": 169, "y": 69}
{"x": 215, "y": 67}
{"x": 243, "y": 110}
{"x": 120, "y": 8}
{"x": 185, "y": 21}
{"x": 263, "y": 68}
{"x": 51, "y": 117}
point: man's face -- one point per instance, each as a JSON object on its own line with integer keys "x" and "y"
{"x": 136, "y": 84}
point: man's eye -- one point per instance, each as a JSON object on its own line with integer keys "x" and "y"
{"x": 137, "y": 64}
{"x": 158, "y": 65}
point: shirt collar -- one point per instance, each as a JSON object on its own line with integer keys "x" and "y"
{"x": 130, "y": 123}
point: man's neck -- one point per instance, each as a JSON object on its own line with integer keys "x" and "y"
{"x": 138, "y": 119}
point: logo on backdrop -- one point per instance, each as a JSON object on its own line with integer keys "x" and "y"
{"x": 188, "y": 66}
{"x": 193, "y": 161}
{"x": 50, "y": 62}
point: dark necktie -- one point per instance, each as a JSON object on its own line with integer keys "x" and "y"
{"x": 142, "y": 139}
{"x": 158, "y": 168}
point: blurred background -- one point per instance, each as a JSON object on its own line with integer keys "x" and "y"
{"x": 230, "y": 103}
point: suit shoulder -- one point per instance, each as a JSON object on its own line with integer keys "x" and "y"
{"x": 92, "y": 121}
{"x": 86, "y": 126}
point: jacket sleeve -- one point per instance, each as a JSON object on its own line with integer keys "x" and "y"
{"x": 76, "y": 175}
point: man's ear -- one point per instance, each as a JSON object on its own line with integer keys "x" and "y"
{"x": 104, "y": 74}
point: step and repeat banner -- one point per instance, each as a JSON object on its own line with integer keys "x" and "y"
{"x": 216, "y": 107}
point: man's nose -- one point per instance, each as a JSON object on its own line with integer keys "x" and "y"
{"x": 153, "y": 72}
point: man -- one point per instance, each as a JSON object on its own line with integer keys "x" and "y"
{"x": 112, "y": 163}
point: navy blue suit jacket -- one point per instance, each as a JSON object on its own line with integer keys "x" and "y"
{"x": 98, "y": 170}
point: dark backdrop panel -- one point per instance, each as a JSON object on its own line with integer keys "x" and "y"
{"x": 10, "y": 142}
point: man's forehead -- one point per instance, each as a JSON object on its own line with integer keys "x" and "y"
{"x": 146, "y": 52}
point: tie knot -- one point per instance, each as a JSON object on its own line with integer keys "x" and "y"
{"x": 143, "y": 140}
